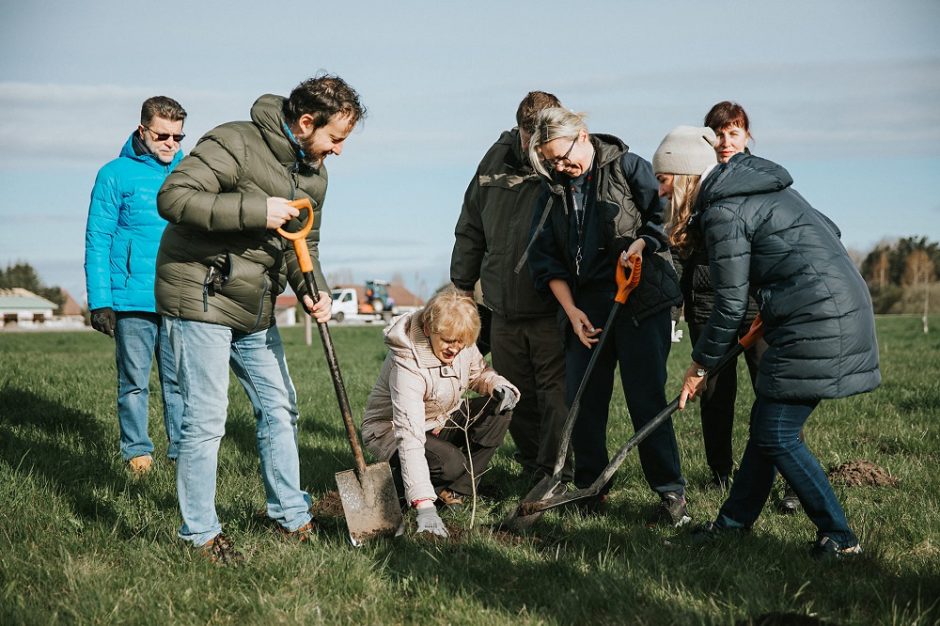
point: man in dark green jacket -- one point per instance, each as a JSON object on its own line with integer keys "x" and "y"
{"x": 491, "y": 235}
{"x": 220, "y": 268}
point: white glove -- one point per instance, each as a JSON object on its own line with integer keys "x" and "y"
{"x": 508, "y": 398}
{"x": 430, "y": 522}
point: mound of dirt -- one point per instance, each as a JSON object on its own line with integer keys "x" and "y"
{"x": 329, "y": 505}
{"x": 862, "y": 473}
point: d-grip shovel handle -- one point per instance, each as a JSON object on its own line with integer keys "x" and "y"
{"x": 299, "y": 239}
{"x": 626, "y": 284}
{"x": 755, "y": 332}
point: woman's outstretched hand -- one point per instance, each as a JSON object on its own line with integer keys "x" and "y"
{"x": 583, "y": 327}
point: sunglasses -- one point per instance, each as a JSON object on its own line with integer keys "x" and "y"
{"x": 164, "y": 136}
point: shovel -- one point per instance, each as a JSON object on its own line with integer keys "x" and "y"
{"x": 545, "y": 488}
{"x": 370, "y": 501}
{"x": 532, "y": 508}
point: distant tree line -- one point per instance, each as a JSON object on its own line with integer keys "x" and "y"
{"x": 895, "y": 267}
{"x": 25, "y": 276}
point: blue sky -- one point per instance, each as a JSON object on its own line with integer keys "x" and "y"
{"x": 844, "y": 94}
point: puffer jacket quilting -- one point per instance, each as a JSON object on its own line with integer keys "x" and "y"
{"x": 216, "y": 202}
{"x": 123, "y": 231}
{"x": 762, "y": 236}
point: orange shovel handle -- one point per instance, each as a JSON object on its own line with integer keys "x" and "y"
{"x": 298, "y": 238}
{"x": 626, "y": 284}
{"x": 753, "y": 334}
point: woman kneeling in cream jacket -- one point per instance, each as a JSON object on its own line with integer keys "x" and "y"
{"x": 415, "y": 415}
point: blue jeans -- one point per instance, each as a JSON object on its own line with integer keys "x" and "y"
{"x": 203, "y": 354}
{"x": 137, "y": 338}
{"x": 641, "y": 349}
{"x": 774, "y": 444}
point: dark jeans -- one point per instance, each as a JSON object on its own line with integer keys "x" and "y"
{"x": 530, "y": 353}
{"x": 641, "y": 350}
{"x": 774, "y": 444}
{"x": 717, "y": 405}
{"x": 449, "y": 459}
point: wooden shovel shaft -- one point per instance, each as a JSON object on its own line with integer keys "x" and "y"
{"x": 299, "y": 241}
{"x": 335, "y": 374}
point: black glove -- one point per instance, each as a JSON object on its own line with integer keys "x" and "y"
{"x": 103, "y": 320}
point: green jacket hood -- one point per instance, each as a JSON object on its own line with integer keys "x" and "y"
{"x": 268, "y": 115}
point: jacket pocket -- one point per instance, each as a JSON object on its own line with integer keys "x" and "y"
{"x": 243, "y": 282}
{"x": 125, "y": 267}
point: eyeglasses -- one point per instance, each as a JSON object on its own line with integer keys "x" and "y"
{"x": 164, "y": 136}
{"x": 553, "y": 163}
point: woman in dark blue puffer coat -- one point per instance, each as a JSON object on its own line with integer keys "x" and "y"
{"x": 763, "y": 238}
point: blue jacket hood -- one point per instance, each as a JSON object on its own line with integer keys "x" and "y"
{"x": 743, "y": 175}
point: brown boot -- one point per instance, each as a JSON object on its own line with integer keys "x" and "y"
{"x": 221, "y": 551}
{"x": 140, "y": 465}
{"x": 303, "y": 534}
{"x": 450, "y": 499}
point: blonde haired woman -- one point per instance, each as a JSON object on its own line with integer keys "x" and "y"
{"x": 415, "y": 414}
{"x": 763, "y": 238}
{"x": 601, "y": 207}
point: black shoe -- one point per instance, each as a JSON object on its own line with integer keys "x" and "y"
{"x": 710, "y": 531}
{"x": 826, "y": 549}
{"x": 789, "y": 504}
{"x": 672, "y": 510}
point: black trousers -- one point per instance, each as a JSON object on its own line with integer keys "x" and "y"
{"x": 449, "y": 458}
{"x": 531, "y": 354}
{"x": 641, "y": 351}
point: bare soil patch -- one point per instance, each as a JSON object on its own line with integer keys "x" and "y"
{"x": 862, "y": 473}
{"x": 329, "y": 505}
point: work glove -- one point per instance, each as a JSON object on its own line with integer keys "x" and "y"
{"x": 103, "y": 320}
{"x": 508, "y": 398}
{"x": 430, "y": 522}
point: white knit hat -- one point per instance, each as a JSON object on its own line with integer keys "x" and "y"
{"x": 686, "y": 150}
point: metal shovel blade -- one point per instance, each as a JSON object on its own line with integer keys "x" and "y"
{"x": 518, "y": 521}
{"x": 370, "y": 503}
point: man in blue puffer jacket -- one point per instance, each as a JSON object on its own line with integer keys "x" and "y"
{"x": 121, "y": 241}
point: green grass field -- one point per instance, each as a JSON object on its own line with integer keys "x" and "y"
{"x": 80, "y": 541}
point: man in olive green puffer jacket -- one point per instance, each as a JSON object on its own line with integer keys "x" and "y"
{"x": 220, "y": 267}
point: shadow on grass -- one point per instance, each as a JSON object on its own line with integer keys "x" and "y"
{"x": 600, "y": 574}
{"x": 318, "y": 463}
{"x": 56, "y": 452}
